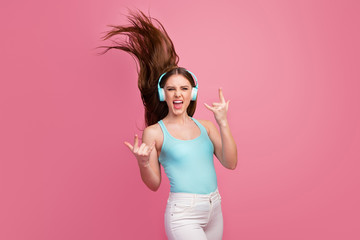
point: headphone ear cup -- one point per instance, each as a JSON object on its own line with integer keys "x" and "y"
{"x": 161, "y": 94}
{"x": 193, "y": 94}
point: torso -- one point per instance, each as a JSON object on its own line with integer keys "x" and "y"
{"x": 186, "y": 132}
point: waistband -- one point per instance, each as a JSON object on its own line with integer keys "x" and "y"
{"x": 180, "y": 195}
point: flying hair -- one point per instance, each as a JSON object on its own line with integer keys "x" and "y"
{"x": 151, "y": 47}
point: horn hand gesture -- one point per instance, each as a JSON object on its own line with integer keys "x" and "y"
{"x": 141, "y": 153}
{"x": 219, "y": 109}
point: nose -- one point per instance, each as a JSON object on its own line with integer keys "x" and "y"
{"x": 177, "y": 93}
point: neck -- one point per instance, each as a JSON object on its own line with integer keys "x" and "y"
{"x": 177, "y": 119}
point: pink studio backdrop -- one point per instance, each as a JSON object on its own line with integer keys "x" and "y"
{"x": 290, "y": 69}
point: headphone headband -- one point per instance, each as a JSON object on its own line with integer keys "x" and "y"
{"x": 196, "y": 85}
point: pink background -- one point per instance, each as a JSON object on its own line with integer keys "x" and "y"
{"x": 290, "y": 69}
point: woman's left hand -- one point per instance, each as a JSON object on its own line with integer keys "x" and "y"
{"x": 219, "y": 109}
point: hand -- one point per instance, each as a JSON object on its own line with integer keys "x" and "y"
{"x": 141, "y": 153}
{"x": 219, "y": 109}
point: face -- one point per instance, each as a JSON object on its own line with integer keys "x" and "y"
{"x": 177, "y": 93}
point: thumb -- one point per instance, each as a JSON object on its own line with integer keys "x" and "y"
{"x": 208, "y": 107}
{"x": 129, "y": 146}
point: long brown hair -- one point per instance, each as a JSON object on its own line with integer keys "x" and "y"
{"x": 153, "y": 49}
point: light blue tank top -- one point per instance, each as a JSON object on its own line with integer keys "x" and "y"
{"x": 189, "y": 164}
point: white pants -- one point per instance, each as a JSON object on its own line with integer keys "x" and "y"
{"x": 190, "y": 216}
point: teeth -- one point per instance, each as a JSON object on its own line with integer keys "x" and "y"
{"x": 177, "y": 101}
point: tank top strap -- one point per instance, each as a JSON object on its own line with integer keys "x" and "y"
{"x": 163, "y": 128}
{"x": 202, "y": 128}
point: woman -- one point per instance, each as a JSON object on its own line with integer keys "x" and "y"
{"x": 173, "y": 138}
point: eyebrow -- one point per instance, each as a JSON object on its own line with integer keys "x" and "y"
{"x": 180, "y": 86}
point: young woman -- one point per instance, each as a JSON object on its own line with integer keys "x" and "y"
{"x": 173, "y": 138}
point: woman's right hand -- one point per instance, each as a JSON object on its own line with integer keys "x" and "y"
{"x": 141, "y": 153}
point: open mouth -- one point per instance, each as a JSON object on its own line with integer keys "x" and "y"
{"x": 178, "y": 104}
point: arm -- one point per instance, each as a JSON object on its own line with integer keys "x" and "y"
{"x": 224, "y": 144}
{"x": 148, "y": 162}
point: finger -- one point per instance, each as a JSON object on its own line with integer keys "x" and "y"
{"x": 145, "y": 150}
{"x": 151, "y": 147}
{"x": 208, "y": 107}
{"x": 136, "y": 141}
{"x": 217, "y": 104}
{"x": 141, "y": 148}
{"x": 221, "y": 95}
{"x": 129, "y": 146}
{"x": 227, "y": 104}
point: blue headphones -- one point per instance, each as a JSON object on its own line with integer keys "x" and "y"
{"x": 194, "y": 90}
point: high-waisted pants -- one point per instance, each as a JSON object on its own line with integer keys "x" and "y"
{"x": 191, "y": 216}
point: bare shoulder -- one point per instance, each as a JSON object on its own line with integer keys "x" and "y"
{"x": 207, "y": 124}
{"x": 153, "y": 133}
